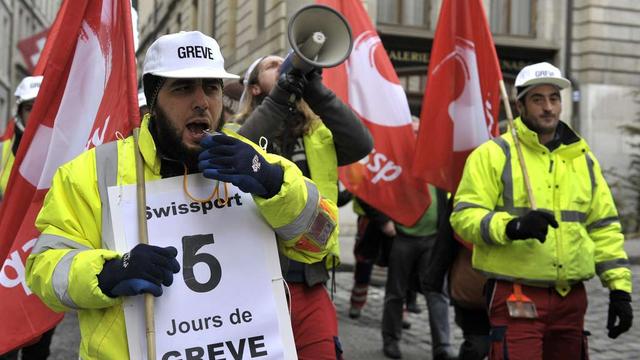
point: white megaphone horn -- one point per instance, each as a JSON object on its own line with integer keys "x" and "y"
{"x": 319, "y": 37}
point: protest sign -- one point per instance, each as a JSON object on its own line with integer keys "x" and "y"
{"x": 228, "y": 299}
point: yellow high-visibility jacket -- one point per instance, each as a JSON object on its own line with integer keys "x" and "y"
{"x": 323, "y": 166}
{"x": 77, "y": 237}
{"x": 6, "y": 163}
{"x": 322, "y": 159}
{"x": 566, "y": 182}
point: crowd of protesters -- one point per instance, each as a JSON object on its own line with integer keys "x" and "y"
{"x": 513, "y": 276}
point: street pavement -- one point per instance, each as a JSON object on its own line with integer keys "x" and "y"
{"x": 361, "y": 338}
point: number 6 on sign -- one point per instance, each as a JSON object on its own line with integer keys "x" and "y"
{"x": 236, "y": 240}
{"x": 190, "y": 246}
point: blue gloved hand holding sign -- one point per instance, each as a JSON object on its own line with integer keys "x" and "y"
{"x": 231, "y": 160}
{"x": 141, "y": 270}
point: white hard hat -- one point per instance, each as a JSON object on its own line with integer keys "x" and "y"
{"x": 187, "y": 54}
{"x": 247, "y": 75}
{"x": 142, "y": 100}
{"x": 28, "y": 89}
{"x": 537, "y": 74}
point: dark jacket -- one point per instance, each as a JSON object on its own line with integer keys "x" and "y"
{"x": 351, "y": 139}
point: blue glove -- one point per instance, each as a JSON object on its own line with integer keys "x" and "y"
{"x": 145, "y": 263}
{"x": 228, "y": 159}
{"x": 132, "y": 287}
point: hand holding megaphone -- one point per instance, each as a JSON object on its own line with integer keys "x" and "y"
{"x": 320, "y": 37}
{"x": 294, "y": 83}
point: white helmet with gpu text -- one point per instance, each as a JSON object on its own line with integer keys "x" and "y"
{"x": 538, "y": 74}
{"x": 28, "y": 89}
{"x": 187, "y": 54}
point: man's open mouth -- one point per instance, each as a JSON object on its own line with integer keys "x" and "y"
{"x": 198, "y": 127}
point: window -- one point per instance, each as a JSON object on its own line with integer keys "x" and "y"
{"x": 413, "y": 80}
{"x": 214, "y": 21}
{"x": 4, "y": 112}
{"x": 261, "y": 15}
{"x": 404, "y": 12}
{"x": 511, "y": 17}
{"x": 4, "y": 44}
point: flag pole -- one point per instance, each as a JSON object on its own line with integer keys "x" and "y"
{"x": 143, "y": 235}
{"x": 516, "y": 141}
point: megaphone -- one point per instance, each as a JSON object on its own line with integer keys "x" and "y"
{"x": 319, "y": 37}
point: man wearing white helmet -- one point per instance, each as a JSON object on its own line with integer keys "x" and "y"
{"x": 26, "y": 94}
{"x": 304, "y": 121}
{"x": 74, "y": 265}
{"x": 537, "y": 259}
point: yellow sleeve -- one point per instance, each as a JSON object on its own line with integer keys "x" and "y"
{"x": 63, "y": 266}
{"x": 604, "y": 228}
{"x": 474, "y": 217}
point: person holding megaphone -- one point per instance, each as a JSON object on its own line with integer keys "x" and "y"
{"x": 289, "y": 111}
{"x": 306, "y": 123}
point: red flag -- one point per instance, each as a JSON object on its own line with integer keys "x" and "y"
{"x": 52, "y": 33}
{"x": 461, "y": 102}
{"x": 370, "y": 85}
{"x": 35, "y": 49}
{"x": 88, "y": 95}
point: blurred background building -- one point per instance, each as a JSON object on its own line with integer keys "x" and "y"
{"x": 20, "y": 20}
{"x": 595, "y": 42}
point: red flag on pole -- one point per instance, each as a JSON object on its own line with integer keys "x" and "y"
{"x": 88, "y": 95}
{"x": 461, "y": 103}
{"x": 52, "y": 33}
{"x": 370, "y": 85}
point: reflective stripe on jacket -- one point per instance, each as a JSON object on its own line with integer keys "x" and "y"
{"x": 568, "y": 183}
{"x": 77, "y": 237}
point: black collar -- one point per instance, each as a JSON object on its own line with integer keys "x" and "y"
{"x": 563, "y": 135}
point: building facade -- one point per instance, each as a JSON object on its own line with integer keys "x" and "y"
{"x": 19, "y": 19}
{"x": 595, "y": 42}
{"x": 605, "y": 63}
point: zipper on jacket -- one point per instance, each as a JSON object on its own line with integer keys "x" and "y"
{"x": 551, "y": 165}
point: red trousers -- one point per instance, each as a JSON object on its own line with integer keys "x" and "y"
{"x": 557, "y": 333}
{"x": 314, "y": 322}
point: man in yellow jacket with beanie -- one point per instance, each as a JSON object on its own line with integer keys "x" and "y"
{"x": 74, "y": 264}
{"x": 548, "y": 252}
